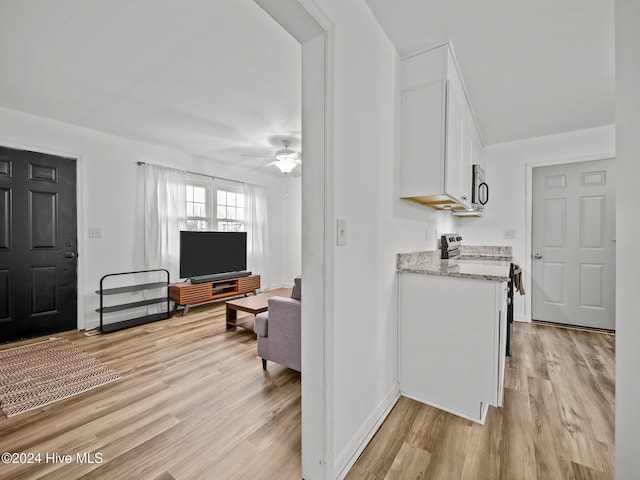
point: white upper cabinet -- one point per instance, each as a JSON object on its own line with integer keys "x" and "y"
{"x": 440, "y": 140}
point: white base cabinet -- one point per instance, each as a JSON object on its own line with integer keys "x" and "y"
{"x": 452, "y": 342}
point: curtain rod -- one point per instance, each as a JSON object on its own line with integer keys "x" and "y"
{"x": 202, "y": 174}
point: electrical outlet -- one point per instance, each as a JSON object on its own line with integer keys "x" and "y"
{"x": 95, "y": 232}
{"x": 509, "y": 233}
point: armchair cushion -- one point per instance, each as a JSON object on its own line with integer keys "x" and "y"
{"x": 261, "y": 324}
{"x": 278, "y": 331}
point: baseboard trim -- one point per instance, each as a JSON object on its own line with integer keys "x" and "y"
{"x": 574, "y": 327}
{"x": 91, "y": 324}
{"x": 354, "y": 449}
{"x": 518, "y": 317}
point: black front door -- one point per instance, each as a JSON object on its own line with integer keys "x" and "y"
{"x": 38, "y": 244}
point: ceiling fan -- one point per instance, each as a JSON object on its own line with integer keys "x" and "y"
{"x": 286, "y": 159}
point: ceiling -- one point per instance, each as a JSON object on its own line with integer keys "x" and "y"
{"x": 214, "y": 78}
{"x": 531, "y": 67}
{"x": 219, "y": 78}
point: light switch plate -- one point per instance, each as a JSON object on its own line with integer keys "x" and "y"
{"x": 341, "y": 232}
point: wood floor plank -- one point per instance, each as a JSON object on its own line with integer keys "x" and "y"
{"x": 582, "y": 472}
{"x": 426, "y": 426}
{"x": 600, "y": 360}
{"x": 534, "y": 350}
{"x": 386, "y": 443}
{"x": 360, "y": 473}
{"x": 410, "y": 462}
{"x": 518, "y": 451}
{"x": 165, "y": 476}
{"x": 450, "y": 450}
{"x": 484, "y": 451}
{"x": 547, "y": 431}
{"x": 587, "y": 413}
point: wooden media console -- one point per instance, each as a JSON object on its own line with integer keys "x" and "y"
{"x": 189, "y": 294}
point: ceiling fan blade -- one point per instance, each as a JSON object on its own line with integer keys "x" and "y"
{"x": 263, "y": 166}
{"x": 257, "y": 156}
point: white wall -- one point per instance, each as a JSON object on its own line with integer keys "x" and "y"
{"x": 291, "y": 201}
{"x": 506, "y": 171}
{"x": 379, "y": 225}
{"x": 628, "y": 239}
{"x": 107, "y": 179}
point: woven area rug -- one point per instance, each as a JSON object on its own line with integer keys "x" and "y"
{"x": 41, "y": 373}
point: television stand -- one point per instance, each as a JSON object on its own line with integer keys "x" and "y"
{"x": 190, "y": 294}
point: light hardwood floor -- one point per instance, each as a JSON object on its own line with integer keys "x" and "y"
{"x": 194, "y": 403}
{"x": 557, "y": 422}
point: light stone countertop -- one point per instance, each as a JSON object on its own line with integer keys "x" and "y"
{"x": 481, "y": 266}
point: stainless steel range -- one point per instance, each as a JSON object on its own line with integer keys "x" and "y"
{"x": 450, "y": 246}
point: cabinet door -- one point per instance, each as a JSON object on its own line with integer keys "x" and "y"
{"x": 458, "y": 152}
{"x": 477, "y": 155}
{"x": 466, "y": 165}
{"x": 423, "y": 129}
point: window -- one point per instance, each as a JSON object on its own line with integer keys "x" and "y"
{"x": 212, "y": 206}
{"x": 197, "y": 217}
{"x": 230, "y": 210}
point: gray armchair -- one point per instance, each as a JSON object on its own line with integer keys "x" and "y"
{"x": 278, "y": 330}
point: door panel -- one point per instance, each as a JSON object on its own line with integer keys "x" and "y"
{"x": 593, "y": 222}
{"x": 592, "y": 285}
{"x": 5, "y": 285}
{"x": 554, "y": 282}
{"x": 43, "y": 173}
{"x": 5, "y": 219}
{"x": 38, "y": 283}
{"x": 43, "y": 291}
{"x": 573, "y": 265}
{"x": 554, "y": 222}
{"x": 43, "y": 212}
{"x": 552, "y": 182}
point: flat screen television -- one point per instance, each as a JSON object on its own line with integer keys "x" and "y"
{"x": 208, "y": 253}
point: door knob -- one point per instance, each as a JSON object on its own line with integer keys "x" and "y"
{"x": 537, "y": 256}
{"x": 69, "y": 255}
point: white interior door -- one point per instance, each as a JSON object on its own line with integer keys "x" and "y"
{"x": 573, "y": 265}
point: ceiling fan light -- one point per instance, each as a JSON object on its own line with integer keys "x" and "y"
{"x": 286, "y": 154}
{"x": 285, "y": 165}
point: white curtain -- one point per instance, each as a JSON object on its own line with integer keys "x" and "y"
{"x": 256, "y": 226}
{"x": 164, "y": 217}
